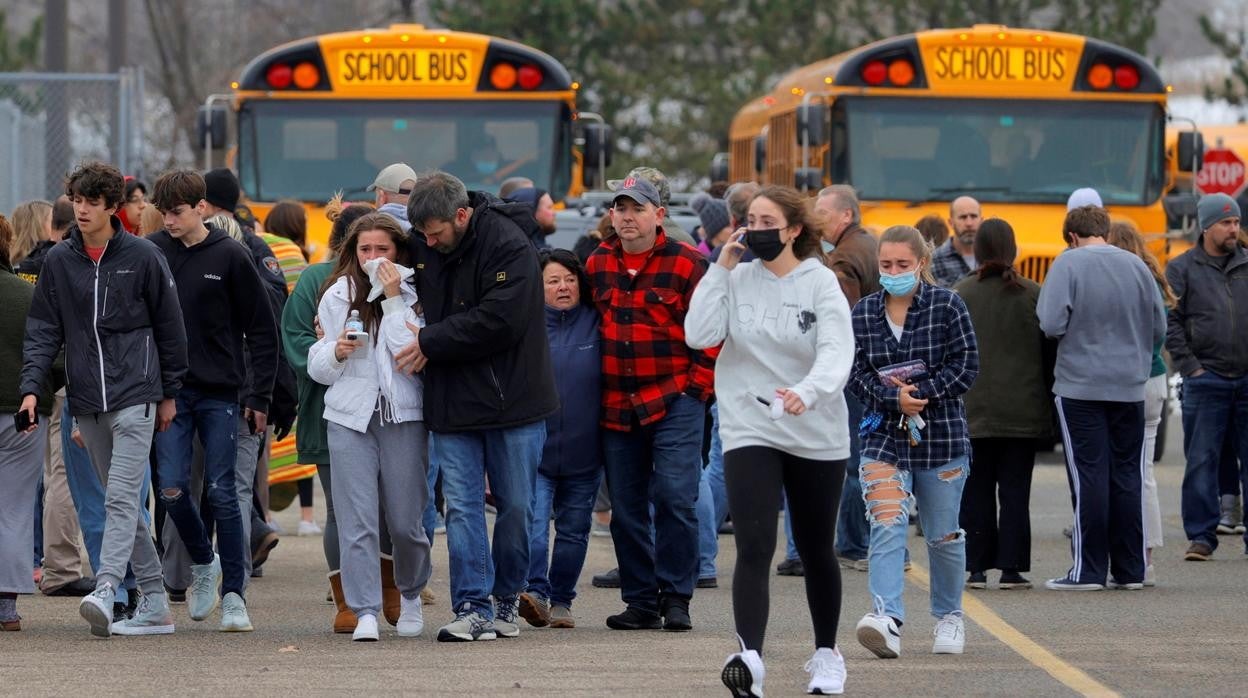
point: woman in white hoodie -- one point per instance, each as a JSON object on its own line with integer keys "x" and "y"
{"x": 787, "y": 350}
{"x": 377, "y": 439}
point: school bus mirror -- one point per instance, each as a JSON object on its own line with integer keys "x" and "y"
{"x": 598, "y": 150}
{"x": 210, "y": 126}
{"x": 808, "y": 178}
{"x": 1181, "y": 213}
{"x": 719, "y": 167}
{"x": 1191, "y": 151}
{"x": 812, "y": 124}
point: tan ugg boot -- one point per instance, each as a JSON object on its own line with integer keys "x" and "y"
{"x": 391, "y": 600}
{"x": 344, "y": 619}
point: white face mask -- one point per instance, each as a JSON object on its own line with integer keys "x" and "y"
{"x": 827, "y": 247}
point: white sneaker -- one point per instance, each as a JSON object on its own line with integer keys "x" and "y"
{"x": 234, "y": 618}
{"x": 201, "y": 598}
{"x": 1150, "y": 576}
{"x": 743, "y": 674}
{"x": 308, "y": 528}
{"x": 949, "y": 635}
{"x": 827, "y": 672}
{"x": 365, "y": 628}
{"x": 879, "y": 633}
{"x": 411, "y": 617}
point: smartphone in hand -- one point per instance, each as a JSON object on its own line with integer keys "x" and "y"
{"x": 22, "y": 421}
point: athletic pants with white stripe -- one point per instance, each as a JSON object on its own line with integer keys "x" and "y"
{"x": 1104, "y": 443}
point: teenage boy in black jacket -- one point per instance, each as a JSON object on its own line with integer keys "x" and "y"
{"x": 108, "y": 298}
{"x": 224, "y": 306}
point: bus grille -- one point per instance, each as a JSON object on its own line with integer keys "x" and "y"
{"x": 741, "y": 164}
{"x": 1035, "y": 268}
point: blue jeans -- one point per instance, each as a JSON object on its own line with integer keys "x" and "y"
{"x": 939, "y": 494}
{"x": 39, "y": 522}
{"x": 88, "y": 495}
{"x": 853, "y": 533}
{"x": 572, "y": 500}
{"x": 509, "y": 457}
{"x": 712, "y": 502}
{"x": 1212, "y": 406}
{"x": 215, "y": 422}
{"x": 429, "y": 519}
{"x": 662, "y": 460}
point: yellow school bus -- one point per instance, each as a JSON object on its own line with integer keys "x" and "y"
{"x": 1016, "y": 118}
{"x": 326, "y": 113}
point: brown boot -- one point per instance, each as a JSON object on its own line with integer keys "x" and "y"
{"x": 390, "y": 599}
{"x": 427, "y": 597}
{"x": 344, "y": 619}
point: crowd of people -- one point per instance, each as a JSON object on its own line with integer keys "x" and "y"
{"x": 782, "y": 360}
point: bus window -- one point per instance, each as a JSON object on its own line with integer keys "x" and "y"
{"x": 309, "y": 139}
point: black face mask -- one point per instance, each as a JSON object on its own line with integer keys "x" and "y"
{"x": 765, "y": 244}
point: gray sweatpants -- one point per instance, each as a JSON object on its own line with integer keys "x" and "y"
{"x": 177, "y": 561}
{"x": 21, "y": 462}
{"x": 119, "y": 444}
{"x": 384, "y": 466}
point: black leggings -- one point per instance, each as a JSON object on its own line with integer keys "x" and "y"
{"x": 757, "y": 477}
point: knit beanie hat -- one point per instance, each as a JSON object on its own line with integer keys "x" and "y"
{"x": 713, "y": 213}
{"x": 1213, "y": 208}
{"x": 222, "y": 189}
{"x": 1086, "y": 196}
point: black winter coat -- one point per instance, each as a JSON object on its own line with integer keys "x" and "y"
{"x": 119, "y": 322}
{"x": 485, "y": 337}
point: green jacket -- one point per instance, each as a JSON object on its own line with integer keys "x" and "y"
{"x": 17, "y": 294}
{"x": 1010, "y": 398}
{"x": 298, "y": 335}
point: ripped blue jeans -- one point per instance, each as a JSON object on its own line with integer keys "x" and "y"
{"x": 886, "y": 489}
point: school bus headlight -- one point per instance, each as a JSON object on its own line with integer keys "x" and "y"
{"x": 306, "y": 76}
{"x": 1126, "y": 77}
{"x": 503, "y": 76}
{"x": 1100, "y": 77}
{"x": 901, "y": 72}
{"x": 278, "y": 76}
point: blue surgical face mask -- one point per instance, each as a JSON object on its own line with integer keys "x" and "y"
{"x": 827, "y": 246}
{"x": 899, "y": 284}
{"x": 485, "y": 168}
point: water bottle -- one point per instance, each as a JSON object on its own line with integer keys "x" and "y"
{"x": 354, "y": 323}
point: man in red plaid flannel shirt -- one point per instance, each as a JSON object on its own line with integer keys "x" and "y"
{"x": 654, "y": 393}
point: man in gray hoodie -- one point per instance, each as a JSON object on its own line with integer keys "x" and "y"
{"x": 1105, "y": 310}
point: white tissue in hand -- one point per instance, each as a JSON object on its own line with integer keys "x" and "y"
{"x": 777, "y": 408}
{"x": 370, "y": 268}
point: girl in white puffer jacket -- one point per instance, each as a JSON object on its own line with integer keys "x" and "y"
{"x": 377, "y": 439}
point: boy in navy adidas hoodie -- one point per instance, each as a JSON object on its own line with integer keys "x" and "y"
{"x": 224, "y": 306}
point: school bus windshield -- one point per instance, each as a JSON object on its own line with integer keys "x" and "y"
{"x": 999, "y": 150}
{"x": 307, "y": 150}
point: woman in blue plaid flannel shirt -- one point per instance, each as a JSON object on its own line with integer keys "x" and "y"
{"x": 914, "y": 435}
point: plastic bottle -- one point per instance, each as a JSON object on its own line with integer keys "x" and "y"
{"x": 354, "y": 323}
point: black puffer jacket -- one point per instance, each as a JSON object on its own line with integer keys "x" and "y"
{"x": 489, "y": 362}
{"x": 119, "y": 321}
{"x": 1206, "y": 329}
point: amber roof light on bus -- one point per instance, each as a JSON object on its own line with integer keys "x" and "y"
{"x": 306, "y": 76}
{"x": 1100, "y": 77}
{"x": 503, "y": 76}
{"x": 901, "y": 72}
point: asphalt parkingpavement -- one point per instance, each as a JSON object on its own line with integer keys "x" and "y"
{"x": 1188, "y": 636}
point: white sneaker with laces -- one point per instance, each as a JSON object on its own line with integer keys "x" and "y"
{"x": 743, "y": 674}
{"x": 827, "y": 672}
{"x": 234, "y": 618}
{"x": 879, "y": 633}
{"x": 949, "y": 635}
{"x": 411, "y": 617}
{"x": 365, "y": 628}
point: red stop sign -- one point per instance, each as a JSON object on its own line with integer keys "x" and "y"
{"x": 1222, "y": 173}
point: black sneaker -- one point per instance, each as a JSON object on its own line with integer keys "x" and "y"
{"x": 977, "y": 580}
{"x": 791, "y": 568}
{"x": 125, "y": 611}
{"x": 1011, "y": 579}
{"x": 607, "y": 580}
{"x": 635, "y": 619}
{"x": 676, "y": 615}
{"x": 78, "y": 588}
{"x": 708, "y": 582}
{"x": 175, "y": 595}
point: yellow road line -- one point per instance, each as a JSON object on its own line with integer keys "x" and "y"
{"x": 1053, "y": 665}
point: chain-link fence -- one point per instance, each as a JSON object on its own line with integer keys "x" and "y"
{"x": 49, "y": 122}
